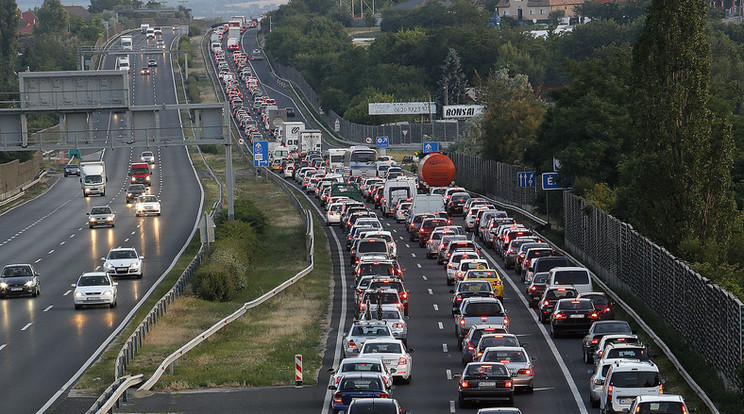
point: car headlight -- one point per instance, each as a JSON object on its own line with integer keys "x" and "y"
{"x": 92, "y": 219}
{"x": 134, "y": 265}
{"x": 31, "y": 283}
{"x": 107, "y": 293}
{"x": 129, "y": 194}
{"x": 78, "y": 293}
{"x": 3, "y": 285}
{"x": 110, "y": 218}
{"x": 87, "y": 190}
{"x": 108, "y": 266}
{"x": 147, "y": 178}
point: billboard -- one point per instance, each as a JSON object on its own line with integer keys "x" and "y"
{"x": 402, "y": 108}
{"x": 462, "y": 111}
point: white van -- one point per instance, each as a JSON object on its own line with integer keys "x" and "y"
{"x": 122, "y": 63}
{"x": 126, "y": 42}
{"x": 627, "y": 380}
{"x": 427, "y": 203}
{"x": 578, "y": 277}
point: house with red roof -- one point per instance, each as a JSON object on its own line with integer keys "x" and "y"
{"x": 28, "y": 22}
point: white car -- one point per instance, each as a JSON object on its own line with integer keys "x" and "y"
{"x": 147, "y": 204}
{"x": 147, "y": 156}
{"x": 94, "y": 288}
{"x": 393, "y": 354}
{"x": 361, "y": 365}
{"x": 123, "y": 261}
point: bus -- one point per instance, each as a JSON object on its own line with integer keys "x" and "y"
{"x": 335, "y": 158}
{"x": 361, "y": 161}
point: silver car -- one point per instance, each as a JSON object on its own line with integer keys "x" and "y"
{"x": 390, "y": 314}
{"x": 19, "y": 279}
{"x": 148, "y": 156}
{"x": 518, "y": 361}
{"x": 360, "y": 332}
{"x": 361, "y": 365}
{"x": 94, "y": 288}
{"x": 101, "y": 216}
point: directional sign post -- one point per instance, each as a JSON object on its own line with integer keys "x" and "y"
{"x": 430, "y": 147}
{"x": 383, "y": 142}
{"x": 550, "y": 182}
{"x": 261, "y": 154}
{"x": 526, "y": 179}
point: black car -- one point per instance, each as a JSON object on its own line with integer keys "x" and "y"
{"x": 597, "y": 331}
{"x": 456, "y": 202}
{"x": 485, "y": 382}
{"x": 550, "y": 297}
{"x": 71, "y": 169}
{"x": 134, "y": 191}
{"x": 536, "y": 289}
{"x": 354, "y": 386}
{"x": 290, "y": 112}
{"x": 19, "y": 279}
{"x": 572, "y": 315}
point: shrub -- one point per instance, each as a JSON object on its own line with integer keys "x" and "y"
{"x": 194, "y": 30}
{"x": 209, "y": 149}
{"x": 246, "y": 211}
{"x": 214, "y": 282}
{"x": 235, "y": 256}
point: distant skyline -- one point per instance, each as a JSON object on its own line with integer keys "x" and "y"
{"x": 201, "y": 8}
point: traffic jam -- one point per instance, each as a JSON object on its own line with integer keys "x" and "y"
{"x": 379, "y": 209}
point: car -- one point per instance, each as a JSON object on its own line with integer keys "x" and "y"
{"x": 613, "y": 351}
{"x": 602, "y": 304}
{"x": 453, "y": 264}
{"x": 469, "y": 289}
{"x": 499, "y": 339}
{"x": 485, "y": 382}
{"x": 158, "y": 30}
{"x": 659, "y": 404}
{"x": 479, "y": 311}
{"x": 71, "y": 169}
{"x": 441, "y": 250}
{"x": 123, "y": 261}
{"x": 596, "y": 382}
{"x": 145, "y": 71}
{"x": 19, "y": 279}
{"x": 613, "y": 339}
{"x": 290, "y": 112}
{"x": 597, "y": 331}
{"x": 148, "y": 157}
{"x": 101, "y": 216}
{"x": 572, "y": 315}
{"x": 160, "y": 44}
{"x": 401, "y": 212}
{"x": 393, "y": 316}
{"x": 517, "y": 360}
{"x": 552, "y": 295}
{"x": 627, "y": 380}
{"x": 536, "y": 288}
{"x": 499, "y": 410}
{"x": 380, "y": 296}
{"x": 152, "y": 63}
{"x": 353, "y": 386}
{"x": 94, "y": 288}
{"x": 134, "y": 191}
{"x": 375, "y": 406}
{"x": 360, "y": 332}
{"x": 387, "y": 283}
{"x": 488, "y": 275}
{"x": 147, "y": 204}
{"x": 361, "y": 365}
{"x": 368, "y": 245}
{"x": 470, "y": 341}
{"x": 393, "y": 354}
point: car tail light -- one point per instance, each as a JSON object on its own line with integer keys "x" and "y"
{"x": 609, "y": 392}
{"x": 607, "y": 309}
{"x": 661, "y": 388}
{"x": 506, "y": 321}
{"x": 533, "y": 288}
{"x": 451, "y": 265}
{"x": 459, "y": 274}
{"x": 337, "y": 398}
{"x": 524, "y": 371}
{"x": 595, "y": 341}
{"x": 497, "y": 283}
{"x": 399, "y": 325}
{"x": 470, "y": 346}
{"x": 546, "y": 303}
{"x": 507, "y": 384}
{"x": 465, "y": 384}
{"x": 484, "y": 318}
{"x": 404, "y": 295}
{"x": 479, "y": 354}
{"x": 383, "y": 395}
{"x": 458, "y": 298}
{"x": 594, "y": 315}
{"x": 598, "y": 381}
{"x": 559, "y": 316}
{"x": 402, "y": 361}
{"x": 462, "y": 322}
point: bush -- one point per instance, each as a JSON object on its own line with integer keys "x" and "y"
{"x": 246, "y": 211}
{"x": 235, "y": 258}
{"x": 214, "y": 282}
{"x": 192, "y": 90}
{"x": 194, "y": 30}
{"x": 209, "y": 149}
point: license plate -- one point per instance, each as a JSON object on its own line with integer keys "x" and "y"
{"x": 577, "y": 316}
{"x": 16, "y": 289}
{"x": 626, "y": 400}
{"x": 487, "y": 384}
{"x": 89, "y": 298}
{"x": 122, "y": 269}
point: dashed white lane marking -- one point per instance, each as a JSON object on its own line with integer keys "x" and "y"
{"x": 425, "y": 278}
{"x": 51, "y": 251}
{"x": 3, "y": 346}
{"x": 80, "y": 228}
{"x": 67, "y": 293}
{"x": 413, "y": 254}
{"x": 430, "y": 291}
{"x": 133, "y": 233}
{"x": 401, "y": 237}
{"x": 126, "y": 240}
{"x": 440, "y": 325}
{"x": 436, "y": 308}
{"x": 444, "y": 348}
{"x": 37, "y": 260}
{"x": 97, "y": 267}
{"x": 26, "y": 326}
{"x": 449, "y": 374}
{"x": 407, "y": 245}
{"x": 388, "y": 224}
{"x": 72, "y": 235}
{"x": 452, "y": 406}
{"x": 62, "y": 243}
{"x": 395, "y": 231}
{"x": 47, "y": 308}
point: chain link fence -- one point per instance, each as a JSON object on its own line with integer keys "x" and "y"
{"x": 708, "y": 317}
{"x": 494, "y": 179}
{"x": 443, "y": 131}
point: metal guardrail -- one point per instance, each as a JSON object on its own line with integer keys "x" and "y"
{"x": 172, "y": 358}
{"x": 106, "y": 402}
{"x": 627, "y": 308}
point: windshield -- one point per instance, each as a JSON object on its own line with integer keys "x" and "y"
{"x": 361, "y": 367}
{"x": 486, "y": 369}
{"x": 361, "y": 384}
{"x": 504, "y": 356}
{"x": 482, "y": 274}
{"x": 572, "y": 277}
{"x": 631, "y": 353}
{"x": 615, "y": 327}
{"x": 337, "y": 158}
{"x": 575, "y": 305}
{"x": 373, "y": 247}
{"x": 498, "y": 341}
{"x": 371, "y": 331}
{"x": 93, "y": 179}
{"x": 94, "y": 281}
{"x": 16, "y": 271}
{"x": 149, "y": 199}
{"x": 474, "y": 287}
{"x": 666, "y": 407}
{"x": 376, "y": 269}
{"x": 100, "y": 210}
{"x": 560, "y": 294}
{"x": 365, "y": 156}
{"x": 122, "y": 254}
{"x": 484, "y": 309}
{"x": 384, "y": 348}
{"x": 635, "y": 379}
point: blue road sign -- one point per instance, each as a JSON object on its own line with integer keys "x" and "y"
{"x": 261, "y": 154}
{"x": 550, "y": 182}
{"x": 383, "y": 142}
{"x": 526, "y": 179}
{"x": 430, "y": 147}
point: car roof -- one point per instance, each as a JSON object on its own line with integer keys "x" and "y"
{"x": 504, "y": 348}
{"x": 660, "y": 398}
{"x": 93, "y": 274}
{"x": 480, "y": 299}
{"x": 120, "y": 249}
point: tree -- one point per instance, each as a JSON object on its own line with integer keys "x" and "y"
{"x": 452, "y": 85}
{"x": 53, "y": 18}
{"x": 679, "y": 174}
{"x": 9, "y": 19}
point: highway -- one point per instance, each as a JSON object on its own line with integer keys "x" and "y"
{"x": 45, "y": 344}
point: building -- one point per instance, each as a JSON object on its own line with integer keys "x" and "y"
{"x": 535, "y": 11}
{"x": 79, "y": 11}
{"x": 28, "y": 23}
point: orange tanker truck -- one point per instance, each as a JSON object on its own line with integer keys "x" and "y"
{"x": 436, "y": 170}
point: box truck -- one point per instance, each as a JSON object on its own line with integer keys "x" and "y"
{"x": 311, "y": 140}
{"x": 93, "y": 178}
{"x": 290, "y": 133}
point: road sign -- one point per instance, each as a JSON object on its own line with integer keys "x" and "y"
{"x": 556, "y": 164}
{"x": 550, "y": 182}
{"x": 368, "y": 140}
{"x": 430, "y": 147}
{"x": 526, "y": 179}
{"x": 261, "y": 154}
{"x": 241, "y": 141}
{"x": 383, "y": 142}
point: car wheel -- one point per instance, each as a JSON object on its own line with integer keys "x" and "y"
{"x": 594, "y": 403}
{"x": 407, "y": 380}
{"x": 78, "y": 307}
{"x": 36, "y": 292}
{"x": 90, "y": 226}
{"x": 113, "y": 225}
{"x": 84, "y": 195}
{"x": 65, "y": 174}
{"x": 139, "y": 276}
{"x": 553, "y": 331}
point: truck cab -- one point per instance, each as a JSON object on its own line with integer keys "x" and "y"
{"x": 139, "y": 173}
